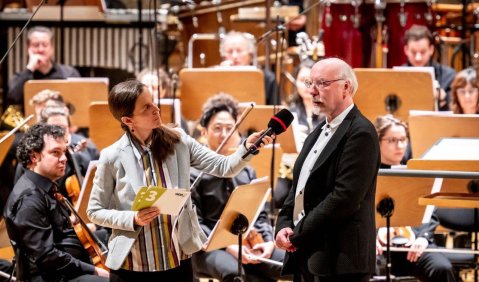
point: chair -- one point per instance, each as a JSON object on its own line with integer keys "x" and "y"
{"x": 461, "y": 220}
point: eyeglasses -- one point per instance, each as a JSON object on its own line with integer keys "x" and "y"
{"x": 463, "y": 91}
{"x": 321, "y": 83}
{"x": 394, "y": 140}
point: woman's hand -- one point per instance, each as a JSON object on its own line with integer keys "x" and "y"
{"x": 145, "y": 216}
{"x": 255, "y": 136}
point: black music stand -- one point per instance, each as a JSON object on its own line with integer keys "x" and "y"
{"x": 396, "y": 200}
{"x": 238, "y": 217}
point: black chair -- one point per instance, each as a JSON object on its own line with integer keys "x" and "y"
{"x": 461, "y": 220}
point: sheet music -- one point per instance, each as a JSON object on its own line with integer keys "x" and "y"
{"x": 454, "y": 149}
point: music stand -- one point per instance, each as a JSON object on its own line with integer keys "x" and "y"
{"x": 401, "y": 194}
{"x": 238, "y": 217}
{"x": 5, "y": 146}
{"x": 386, "y": 91}
{"x": 82, "y": 203}
{"x": 245, "y": 84}
{"x": 78, "y": 93}
{"x": 426, "y": 130}
{"x": 106, "y": 132}
{"x": 257, "y": 120}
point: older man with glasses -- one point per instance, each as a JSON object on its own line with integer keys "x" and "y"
{"x": 327, "y": 222}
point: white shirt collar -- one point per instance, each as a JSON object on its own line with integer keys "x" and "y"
{"x": 339, "y": 119}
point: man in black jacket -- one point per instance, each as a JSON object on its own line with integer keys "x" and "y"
{"x": 327, "y": 222}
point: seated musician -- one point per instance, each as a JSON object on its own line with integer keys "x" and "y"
{"x": 45, "y": 98}
{"x": 40, "y": 46}
{"x": 38, "y": 223}
{"x": 428, "y": 266}
{"x": 237, "y": 49}
{"x": 219, "y": 115}
{"x": 464, "y": 92}
{"x": 81, "y": 150}
{"x": 419, "y": 50}
{"x": 161, "y": 90}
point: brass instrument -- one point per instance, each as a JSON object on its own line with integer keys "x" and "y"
{"x": 11, "y": 118}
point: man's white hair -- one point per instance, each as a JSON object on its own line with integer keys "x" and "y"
{"x": 347, "y": 73}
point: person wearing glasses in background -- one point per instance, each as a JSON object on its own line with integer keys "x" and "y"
{"x": 464, "y": 92}
{"x": 393, "y": 137}
{"x": 327, "y": 224}
{"x": 237, "y": 49}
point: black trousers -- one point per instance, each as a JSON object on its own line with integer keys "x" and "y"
{"x": 222, "y": 266}
{"x": 305, "y": 276}
{"x": 434, "y": 267}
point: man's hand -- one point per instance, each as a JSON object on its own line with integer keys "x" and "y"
{"x": 101, "y": 272}
{"x": 263, "y": 250}
{"x": 417, "y": 248}
{"x": 145, "y": 216}
{"x": 246, "y": 256}
{"x": 37, "y": 62}
{"x": 379, "y": 247}
{"x": 282, "y": 240}
{"x": 297, "y": 23}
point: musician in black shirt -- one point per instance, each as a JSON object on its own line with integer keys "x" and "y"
{"x": 38, "y": 224}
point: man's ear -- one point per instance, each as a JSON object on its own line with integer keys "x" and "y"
{"x": 203, "y": 131}
{"x": 35, "y": 157}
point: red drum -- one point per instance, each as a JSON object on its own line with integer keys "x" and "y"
{"x": 398, "y": 20}
{"x": 347, "y": 31}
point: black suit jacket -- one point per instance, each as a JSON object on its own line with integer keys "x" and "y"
{"x": 337, "y": 234}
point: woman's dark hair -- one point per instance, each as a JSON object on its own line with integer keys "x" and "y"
{"x": 121, "y": 101}
{"x": 221, "y": 102}
{"x": 33, "y": 142}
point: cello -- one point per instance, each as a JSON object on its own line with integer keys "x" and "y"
{"x": 95, "y": 248}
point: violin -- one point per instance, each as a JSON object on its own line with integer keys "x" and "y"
{"x": 74, "y": 182}
{"x": 398, "y": 236}
{"x": 95, "y": 248}
{"x": 253, "y": 238}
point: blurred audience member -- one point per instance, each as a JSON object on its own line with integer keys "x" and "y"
{"x": 238, "y": 49}
{"x": 40, "y": 46}
{"x": 464, "y": 92}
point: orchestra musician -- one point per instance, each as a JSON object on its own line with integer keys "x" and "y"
{"x": 419, "y": 50}
{"x": 237, "y": 49}
{"x": 39, "y": 224}
{"x": 40, "y": 46}
{"x": 146, "y": 244}
{"x": 220, "y": 113}
{"x": 393, "y": 138}
{"x": 82, "y": 151}
{"x": 464, "y": 92}
{"x": 327, "y": 224}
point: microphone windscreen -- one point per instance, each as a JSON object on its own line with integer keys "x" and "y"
{"x": 281, "y": 121}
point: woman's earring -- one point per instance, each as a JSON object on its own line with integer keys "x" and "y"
{"x": 132, "y": 129}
